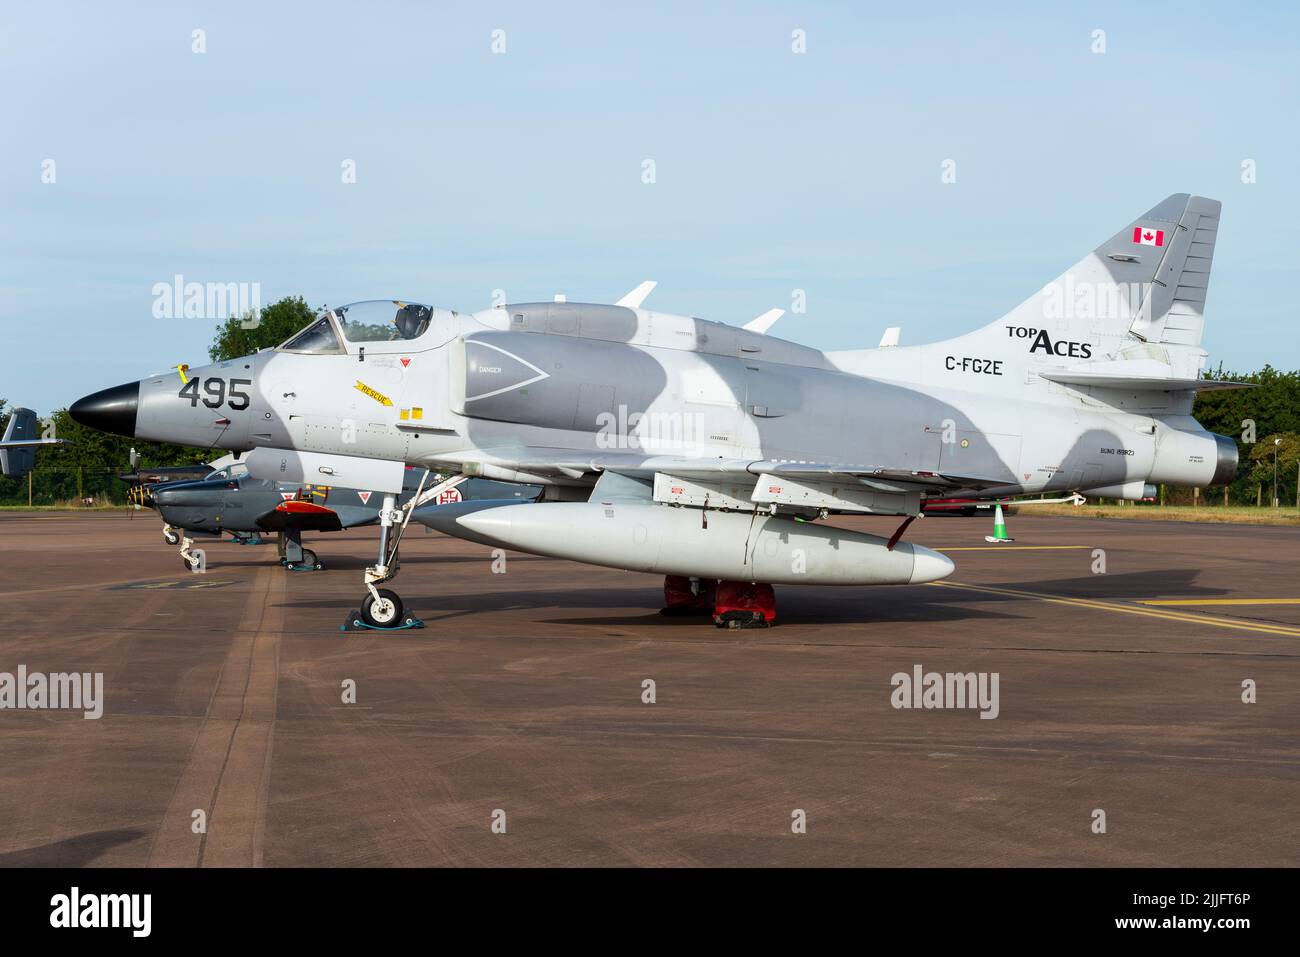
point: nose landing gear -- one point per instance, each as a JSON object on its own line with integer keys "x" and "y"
{"x": 382, "y": 607}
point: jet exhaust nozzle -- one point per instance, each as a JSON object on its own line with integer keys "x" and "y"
{"x": 1225, "y": 466}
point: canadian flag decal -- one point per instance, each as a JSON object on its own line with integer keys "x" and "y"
{"x": 1146, "y": 236}
{"x": 364, "y": 496}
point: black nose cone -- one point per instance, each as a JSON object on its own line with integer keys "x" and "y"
{"x": 110, "y": 410}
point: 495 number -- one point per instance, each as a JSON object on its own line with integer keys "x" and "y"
{"x": 216, "y": 392}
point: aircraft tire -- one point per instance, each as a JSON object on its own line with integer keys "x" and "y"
{"x": 385, "y": 613}
{"x": 171, "y": 538}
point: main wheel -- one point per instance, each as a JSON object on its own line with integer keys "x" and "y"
{"x": 384, "y": 613}
{"x": 170, "y": 537}
{"x": 191, "y": 564}
{"x": 309, "y": 559}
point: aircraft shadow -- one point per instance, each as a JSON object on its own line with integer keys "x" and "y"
{"x": 76, "y": 851}
{"x": 798, "y": 605}
{"x": 1148, "y": 583}
{"x": 794, "y": 606}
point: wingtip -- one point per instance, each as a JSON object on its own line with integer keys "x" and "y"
{"x": 633, "y": 299}
{"x": 765, "y": 321}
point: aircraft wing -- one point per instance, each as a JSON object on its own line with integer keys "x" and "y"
{"x": 574, "y": 465}
{"x": 352, "y": 516}
{"x": 729, "y": 482}
{"x": 303, "y": 515}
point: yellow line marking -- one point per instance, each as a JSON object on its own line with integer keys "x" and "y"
{"x": 1221, "y": 601}
{"x": 1008, "y": 548}
{"x": 1183, "y": 617}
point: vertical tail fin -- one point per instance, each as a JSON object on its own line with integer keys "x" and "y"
{"x": 1149, "y": 279}
{"x": 20, "y": 458}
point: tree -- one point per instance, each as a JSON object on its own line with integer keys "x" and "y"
{"x": 1260, "y": 466}
{"x": 244, "y": 335}
{"x": 1254, "y": 417}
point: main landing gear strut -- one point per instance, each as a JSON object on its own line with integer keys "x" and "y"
{"x": 191, "y": 561}
{"x": 383, "y": 607}
{"x": 732, "y": 604}
{"x": 293, "y": 556}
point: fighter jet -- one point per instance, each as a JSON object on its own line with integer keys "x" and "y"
{"x": 713, "y": 454}
{"x": 228, "y": 499}
{"x": 18, "y": 447}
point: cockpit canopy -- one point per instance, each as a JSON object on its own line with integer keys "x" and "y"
{"x": 232, "y": 471}
{"x": 374, "y": 320}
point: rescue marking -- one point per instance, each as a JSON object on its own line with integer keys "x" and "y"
{"x": 373, "y": 393}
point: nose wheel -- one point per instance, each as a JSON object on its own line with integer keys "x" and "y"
{"x": 382, "y": 609}
{"x": 191, "y": 561}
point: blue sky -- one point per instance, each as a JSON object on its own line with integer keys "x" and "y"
{"x": 522, "y": 171}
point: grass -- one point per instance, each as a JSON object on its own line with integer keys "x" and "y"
{"x": 1235, "y": 514}
{"x": 64, "y": 507}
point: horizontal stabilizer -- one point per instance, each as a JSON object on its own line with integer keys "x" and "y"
{"x": 1124, "y": 379}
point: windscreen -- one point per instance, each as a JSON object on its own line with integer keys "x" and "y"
{"x": 318, "y": 337}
